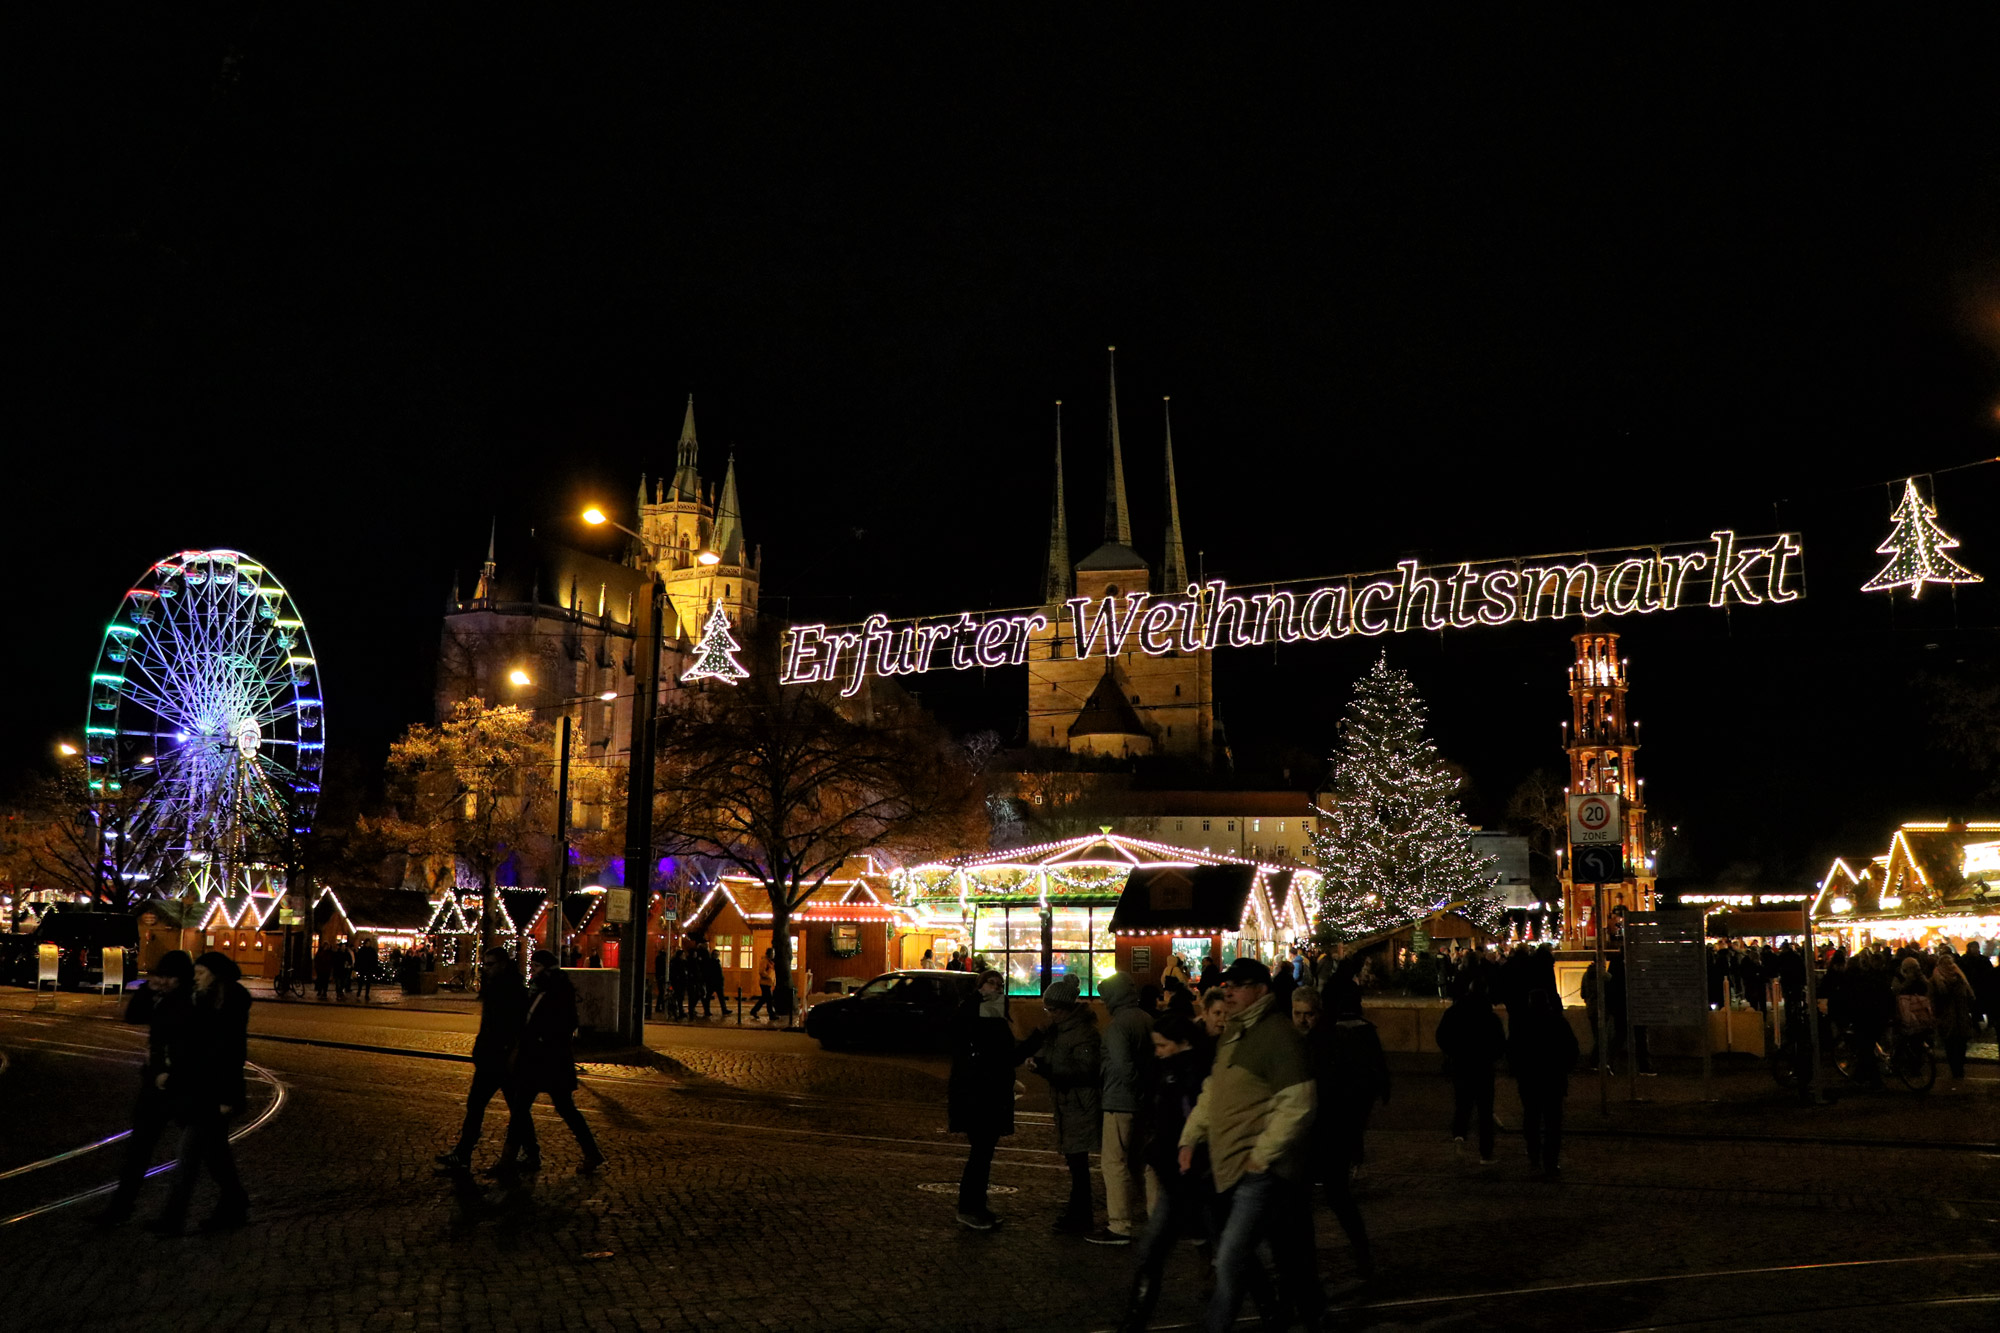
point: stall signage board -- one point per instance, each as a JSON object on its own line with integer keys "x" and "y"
{"x": 1142, "y": 959}
{"x": 618, "y": 905}
{"x": 112, "y": 977}
{"x": 1666, "y": 969}
{"x": 49, "y": 960}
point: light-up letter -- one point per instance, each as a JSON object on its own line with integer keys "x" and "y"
{"x": 1498, "y": 604}
{"x": 802, "y": 663}
{"x": 1417, "y": 585}
{"x": 1460, "y": 584}
{"x": 1674, "y": 582}
{"x": 1781, "y": 568}
{"x": 1370, "y": 595}
{"x": 1106, "y": 635}
{"x": 963, "y": 634}
{"x": 1279, "y": 620}
{"x": 1023, "y": 629}
{"x": 990, "y": 647}
{"x": 1226, "y": 608}
{"x": 1632, "y": 573}
{"x": 1190, "y": 612}
{"x": 1156, "y": 631}
{"x": 1323, "y": 615}
{"x": 1732, "y": 571}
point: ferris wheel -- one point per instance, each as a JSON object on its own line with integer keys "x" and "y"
{"x": 205, "y": 736}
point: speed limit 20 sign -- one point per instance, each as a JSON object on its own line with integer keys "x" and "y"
{"x": 1595, "y": 820}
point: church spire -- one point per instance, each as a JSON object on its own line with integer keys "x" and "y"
{"x": 486, "y": 571}
{"x": 1117, "y": 520}
{"x": 1173, "y": 570}
{"x": 727, "y": 538}
{"x": 640, "y": 512}
{"x": 1055, "y": 580}
{"x": 687, "y": 473}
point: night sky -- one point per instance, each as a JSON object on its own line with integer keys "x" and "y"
{"x": 339, "y": 287}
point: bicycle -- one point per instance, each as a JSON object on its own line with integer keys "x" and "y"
{"x": 1910, "y": 1056}
{"x": 285, "y": 985}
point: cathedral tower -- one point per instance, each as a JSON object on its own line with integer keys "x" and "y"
{"x": 1602, "y": 742}
{"x": 694, "y": 534}
{"x": 1135, "y": 704}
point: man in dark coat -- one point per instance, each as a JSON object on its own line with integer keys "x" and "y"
{"x": 205, "y": 1059}
{"x": 712, "y": 983}
{"x": 1541, "y": 1052}
{"x": 1070, "y": 1056}
{"x": 659, "y": 981}
{"x": 547, "y": 1063}
{"x": 503, "y": 1007}
{"x": 367, "y": 963}
{"x": 1472, "y": 1040}
{"x": 981, "y": 1092}
{"x": 680, "y": 976}
{"x": 162, "y": 1005}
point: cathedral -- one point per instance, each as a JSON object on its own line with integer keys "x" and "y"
{"x": 564, "y": 619}
{"x": 1134, "y": 705}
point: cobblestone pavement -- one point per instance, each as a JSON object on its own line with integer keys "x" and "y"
{"x": 756, "y": 1183}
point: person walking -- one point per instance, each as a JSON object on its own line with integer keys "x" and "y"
{"x": 680, "y": 979}
{"x": 1472, "y": 1040}
{"x": 162, "y": 1004}
{"x": 1128, "y": 1051}
{"x": 205, "y": 1059}
{"x": 1592, "y": 988}
{"x": 712, "y": 983}
{"x": 503, "y": 1007}
{"x": 1952, "y": 1007}
{"x": 1362, "y": 1073}
{"x": 1541, "y": 1052}
{"x": 1332, "y": 1159}
{"x": 343, "y": 970}
{"x": 1179, "y": 1069}
{"x": 323, "y": 968}
{"x": 1069, "y": 1055}
{"x": 659, "y": 981}
{"x": 767, "y": 981}
{"x": 546, "y": 1063}
{"x": 367, "y": 962}
{"x": 980, "y": 1096}
{"x": 1255, "y": 1117}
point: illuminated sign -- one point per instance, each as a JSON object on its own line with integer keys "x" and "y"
{"x": 1727, "y": 570}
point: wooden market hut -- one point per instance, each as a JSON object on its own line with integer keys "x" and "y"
{"x": 1940, "y": 879}
{"x": 843, "y": 933}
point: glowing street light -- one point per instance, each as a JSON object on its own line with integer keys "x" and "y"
{"x": 66, "y": 748}
{"x": 608, "y": 696}
{"x": 709, "y": 558}
{"x": 594, "y": 516}
{"x": 519, "y": 677}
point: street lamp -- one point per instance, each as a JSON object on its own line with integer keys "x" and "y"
{"x": 67, "y": 750}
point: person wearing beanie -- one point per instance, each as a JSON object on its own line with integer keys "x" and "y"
{"x": 162, "y": 1005}
{"x": 204, "y": 1081}
{"x": 1069, "y": 1055}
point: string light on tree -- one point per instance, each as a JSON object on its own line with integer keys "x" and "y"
{"x": 1916, "y": 548}
{"x": 1392, "y": 842}
{"x": 715, "y": 655}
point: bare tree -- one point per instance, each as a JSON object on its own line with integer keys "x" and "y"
{"x": 785, "y": 783}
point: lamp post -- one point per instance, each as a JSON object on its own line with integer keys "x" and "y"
{"x": 639, "y": 805}
{"x": 554, "y": 907}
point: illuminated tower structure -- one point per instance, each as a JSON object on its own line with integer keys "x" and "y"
{"x": 681, "y": 520}
{"x": 1602, "y": 741}
{"x": 1134, "y": 704}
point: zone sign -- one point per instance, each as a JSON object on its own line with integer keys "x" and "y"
{"x": 1594, "y": 821}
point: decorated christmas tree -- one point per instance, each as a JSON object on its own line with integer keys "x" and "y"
{"x": 715, "y": 655}
{"x": 1392, "y": 842}
{"x": 1916, "y": 548}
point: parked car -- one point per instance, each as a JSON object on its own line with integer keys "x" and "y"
{"x": 83, "y": 934}
{"x": 896, "y": 1011}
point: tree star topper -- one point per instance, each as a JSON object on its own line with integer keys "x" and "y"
{"x": 1916, "y": 548}
{"x": 715, "y": 655}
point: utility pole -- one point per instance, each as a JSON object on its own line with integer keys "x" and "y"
{"x": 639, "y": 820}
{"x": 561, "y": 889}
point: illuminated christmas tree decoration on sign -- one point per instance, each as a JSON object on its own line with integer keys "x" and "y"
{"x": 715, "y": 655}
{"x": 1727, "y": 570}
{"x": 1916, "y": 548}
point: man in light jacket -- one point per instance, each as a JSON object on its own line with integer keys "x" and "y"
{"x": 1255, "y": 1111}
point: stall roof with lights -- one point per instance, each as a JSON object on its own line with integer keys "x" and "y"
{"x": 1936, "y": 874}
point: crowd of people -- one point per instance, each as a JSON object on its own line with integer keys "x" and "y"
{"x": 1218, "y": 1104}
{"x": 1884, "y": 987}
{"x": 688, "y": 982}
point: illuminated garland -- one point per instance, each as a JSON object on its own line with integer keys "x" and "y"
{"x": 1916, "y": 548}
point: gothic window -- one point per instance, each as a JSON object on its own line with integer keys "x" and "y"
{"x": 1204, "y": 826}
{"x": 1177, "y": 691}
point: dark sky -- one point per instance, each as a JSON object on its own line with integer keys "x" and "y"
{"x": 336, "y": 286}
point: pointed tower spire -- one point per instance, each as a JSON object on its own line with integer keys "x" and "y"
{"x": 485, "y": 589}
{"x": 641, "y": 510}
{"x": 1055, "y": 579}
{"x": 687, "y": 474}
{"x": 727, "y": 538}
{"x": 1173, "y": 568}
{"x": 1117, "y": 519}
